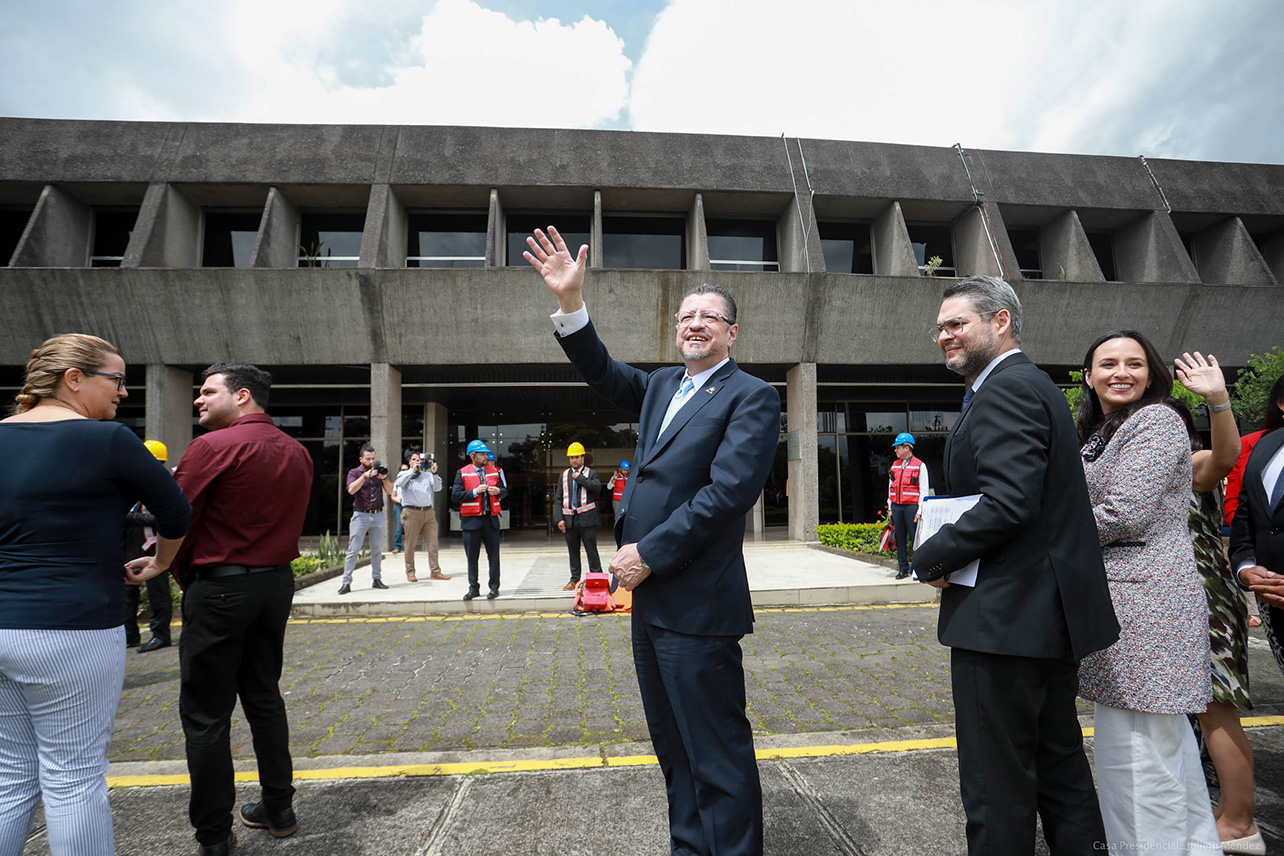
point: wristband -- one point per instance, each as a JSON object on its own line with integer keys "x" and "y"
{"x": 1218, "y": 408}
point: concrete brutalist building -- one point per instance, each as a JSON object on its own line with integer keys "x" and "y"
{"x": 377, "y": 272}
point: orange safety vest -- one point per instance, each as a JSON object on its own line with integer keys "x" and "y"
{"x": 568, "y": 485}
{"x": 473, "y": 507}
{"x": 904, "y": 489}
{"x": 618, "y": 492}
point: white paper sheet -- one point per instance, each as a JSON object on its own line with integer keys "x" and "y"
{"x": 937, "y": 511}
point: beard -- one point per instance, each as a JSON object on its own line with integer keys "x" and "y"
{"x": 974, "y": 357}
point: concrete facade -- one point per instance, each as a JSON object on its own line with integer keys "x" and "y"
{"x": 844, "y": 349}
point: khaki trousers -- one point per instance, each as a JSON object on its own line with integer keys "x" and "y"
{"x": 415, "y": 521}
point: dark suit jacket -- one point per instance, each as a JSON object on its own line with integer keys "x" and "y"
{"x": 458, "y": 494}
{"x": 1041, "y": 590}
{"x": 1258, "y": 531}
{"x": 589, "y": 480}
{"x": 690, "y": 489}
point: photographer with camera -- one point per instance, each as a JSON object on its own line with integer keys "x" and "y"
{"x": 367, "y": 482}
{"x": 416, "y": 487}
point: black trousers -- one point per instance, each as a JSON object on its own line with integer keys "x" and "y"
{"x": 693, "y": 693}
{"x": 577, "y": 533}
{"x": 903, "y": 523}
{"x": 1021, "y": 755}
{"x": 232, "y": 645}
{"x": 162, "y": 608}
{"x": 488, "y": 534}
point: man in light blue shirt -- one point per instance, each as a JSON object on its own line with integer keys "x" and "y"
{"x": 415, "y": 487}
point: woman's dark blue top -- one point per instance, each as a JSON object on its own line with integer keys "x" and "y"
{"x": 65, "y": 488}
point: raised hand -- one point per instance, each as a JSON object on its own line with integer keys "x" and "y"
{"x": 563, "y": 273}
{"x": 1200, "y": 376}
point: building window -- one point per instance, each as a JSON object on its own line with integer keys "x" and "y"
{"x": 446, "y": 241}
{"x": 13, "y": 222}
{"x": 847, "y": 247}
{"x": 229, "y": 238}
{"x": 1103, "y": 247}
{"x": 574, "y": 229}
{"x": 112, "y": 228}
{"x": 1025, "y": 243}
{"x": 330, "y": 240}
{"x": 931, "y": 242}
{"x": 644, "y": 242}
{"x": 742, "y": 245}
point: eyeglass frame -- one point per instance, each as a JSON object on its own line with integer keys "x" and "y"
{"x": 703, "y": 315}
{"x": 119, "y": 378}
{"x": 936, "y": 330}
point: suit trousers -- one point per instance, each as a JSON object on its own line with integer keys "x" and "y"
{"x": 1021, "y": 754}
{"x": 417, "y": 521}
{"x": 903, "y": 523}
{"x": 693, "y": 693}
{"x": 161, "y": 605}
{"x": 232, "y": 645}
{"x": 577, "y": 533}
{"x": 488, "y": 534}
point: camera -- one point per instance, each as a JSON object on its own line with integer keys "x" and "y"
{"x": 379, "y": 468}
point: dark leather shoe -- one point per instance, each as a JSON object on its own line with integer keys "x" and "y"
{"x": 900, "y": 575}
{"x": 472, "y": 593}
{"x": 223, "y": 848}
{"x": 378, "y": 584}
{"x": 153, "y": 644}
{"x": 345, "y": 588}
{"x": 492, "y": 594}
{"x": 281, "y": 824}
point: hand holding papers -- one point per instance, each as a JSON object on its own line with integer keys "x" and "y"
{"x": 936, "y": 512}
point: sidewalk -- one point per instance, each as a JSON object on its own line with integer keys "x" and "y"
{"x": 781, "y": 573}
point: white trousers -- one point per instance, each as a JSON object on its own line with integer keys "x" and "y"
{"x": 58, "y": 695}
{"x": 1151, "y": 784}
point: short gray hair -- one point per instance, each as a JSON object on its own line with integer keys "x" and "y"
{"x": 728, "y": 302}
{"x": 989, "y": 294}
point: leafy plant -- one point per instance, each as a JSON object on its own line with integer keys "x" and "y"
{"x": 1253, "y": 387}
{"x": 311, "y": 255}
{"x": 857, "y": 537}
{"x": 932, "y": 264}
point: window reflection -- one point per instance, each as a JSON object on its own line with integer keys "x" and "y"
{"x": 229, "y": 238}
{"x": 644, "y": 242}
{"x": 848, "y": 247}
{"x": 742, "y": 245}
{"x": 929, "y": 242}
{"x": 446, "y": 240}
{"x": 112, "y": 230}
{"x": 574, "y": 229}
{"x": 330, "y": 240}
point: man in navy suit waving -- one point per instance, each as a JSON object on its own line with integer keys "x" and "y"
{"x": 707, "y": 435}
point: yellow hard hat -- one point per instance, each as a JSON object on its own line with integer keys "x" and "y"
{"x": 574, "y": 449}
{"x": 158, "y": 450}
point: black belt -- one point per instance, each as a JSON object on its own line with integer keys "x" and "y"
{"x": 212, "y": 572}
{"x": 418, "y": 507}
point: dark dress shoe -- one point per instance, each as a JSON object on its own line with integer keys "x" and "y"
{"x": 345, "y": 588}
{"x": 900, "y": 575}
{"x": 472, "y": 593}
{"x": 280, "y": 824}
{"x": 378, "y": 584}
{"x": 153, "y": 644}
{"x": 492, "y": 594}
{"x": 223, "y": 848}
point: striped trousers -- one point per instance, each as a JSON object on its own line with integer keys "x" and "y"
{"x": 58, "y": 695}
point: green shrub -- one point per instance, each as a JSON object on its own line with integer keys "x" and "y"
{"x": 858, "y": 537}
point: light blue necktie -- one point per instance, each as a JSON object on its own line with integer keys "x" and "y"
{"x": 679, "y": 398}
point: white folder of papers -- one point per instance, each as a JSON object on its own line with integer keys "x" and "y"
{"x": 935, "y": 512}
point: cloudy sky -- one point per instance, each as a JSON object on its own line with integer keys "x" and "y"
{"x": 1163, "y": 78}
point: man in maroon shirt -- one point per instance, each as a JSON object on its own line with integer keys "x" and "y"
{"x": 249, "y": 485}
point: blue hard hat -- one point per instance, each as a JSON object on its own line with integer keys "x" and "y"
{"x": 477, "y": 446}
{"x": 904, "y": 438}
{"x": 624, "y": 465}
{"x": 490, "y": 456}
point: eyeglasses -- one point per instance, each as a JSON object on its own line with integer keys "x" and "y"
{"x": 119, "y": 378}
{"x": 954, "y": 326}
{"x": 708, "y": 316}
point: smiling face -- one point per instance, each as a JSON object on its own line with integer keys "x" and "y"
{"x": 99, "y": 395}
{"x": 703, "y": 344}
{"x": 1119, "y": 373}
{"x": 976, "y": 343}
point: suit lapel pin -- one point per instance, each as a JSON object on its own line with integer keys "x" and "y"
{"x": 711, "y": 390}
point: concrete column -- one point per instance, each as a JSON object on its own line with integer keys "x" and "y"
{"x": 168, "y": 412}
{"x": 58, "y": 234}
{"x": 384, "y": 239}
{"x": 277, "y": 244}
{"x": 893, "y": 252}
{"x": 385, "y": 425}
{"x": 167, "y": 232}
{"x": 756, "y": 519}
{"x": 1063, "y": 246}
{"x": 595, "y": 232}
{"x": 804, "y": 472}
{"x": 973, "y": 252}
{"x": 436, "y": 441}
{"x": 1227, "y": 255}
{"x": 496, "y": 232}
{"x": 800, "y": 248}
{"x": 1150, "y": 250}
{"x": 1272, "y": 254}
{"x": 697, "y": 237}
